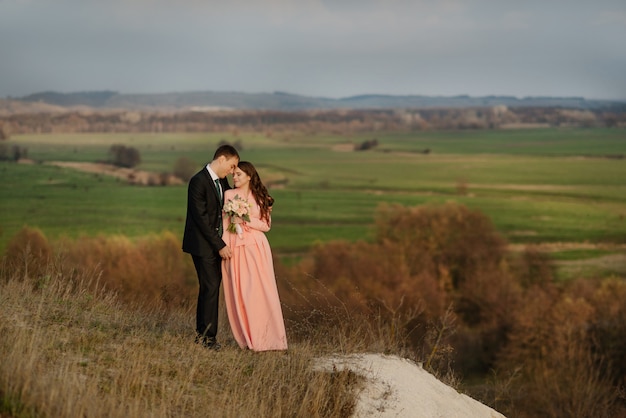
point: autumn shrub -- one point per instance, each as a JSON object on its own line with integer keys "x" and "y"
{"x": 426, "y": 263}
{"x": 336, "y": 317}
{"x": 380, "y": 275}
{"x": 463, "y": 253}
{"x": 484, "y": 302}
{"x": 28, "y": 253}
{"x": 607, "y": 332}
{"x": 449, "y": 241}
{"x": 151, "y": 269}
{"x": 565, "y": 370}
{"x": 148, "y": 270}
{"x": 533, "y": 267}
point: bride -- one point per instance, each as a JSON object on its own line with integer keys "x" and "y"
{"x": 250, "y": 291}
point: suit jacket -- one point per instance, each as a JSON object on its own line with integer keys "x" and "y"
{"x": 204, "y": 216}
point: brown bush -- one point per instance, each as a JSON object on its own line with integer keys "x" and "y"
{"x": 27, "y": 254}
{"x": 151, "y": 269}
{"x": 362, "y": 275}
{"x": 465, "y": 255}
{"x": 148, "y": 270}
{"x": 561, "y": 373}
{"x": 534, "y": 267}
{"x": 451, "y": 242}
{"x": 607, "y": 334}
{"x": 423, "y": 261}
{"x": 484, "y": 303}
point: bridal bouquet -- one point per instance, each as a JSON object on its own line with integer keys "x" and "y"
{"x": 237, "y": 208}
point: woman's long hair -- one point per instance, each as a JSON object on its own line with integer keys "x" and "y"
{"x": 258, "y": 189}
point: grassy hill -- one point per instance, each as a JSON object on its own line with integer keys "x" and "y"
{"x": 71, "y": 349}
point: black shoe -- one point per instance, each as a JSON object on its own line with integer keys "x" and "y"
{"x": 213, "y": 345}
{"x": 209, "y": 343}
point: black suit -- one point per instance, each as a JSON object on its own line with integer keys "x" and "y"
{"x": 203, "y": 241}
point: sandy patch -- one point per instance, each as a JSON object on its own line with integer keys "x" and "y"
{"x": 525, "y": 187}
{"x": 521, "y": 125}
{"x": 349, "y": 147}
{"x": 615, "y": 263}
{"x": 568, "y": 246}
{"x": 131, "y": 175}
{"x": 398, "y": 387}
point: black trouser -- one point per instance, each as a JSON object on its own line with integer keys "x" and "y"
{"x": 209, "y": 270}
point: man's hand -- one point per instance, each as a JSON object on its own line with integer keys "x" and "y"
{"x": 225, "y": 253}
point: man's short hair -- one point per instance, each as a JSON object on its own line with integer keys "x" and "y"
{"x": 226, "y": 150}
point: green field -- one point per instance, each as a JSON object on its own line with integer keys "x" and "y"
{"x": 538, "y": 186}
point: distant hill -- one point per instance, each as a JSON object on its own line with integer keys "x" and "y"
{"x": 11, "y": 106}
{"x": 280, "y": 101}
{"x": 90, "y": 99}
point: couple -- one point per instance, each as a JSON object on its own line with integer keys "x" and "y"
{"x": 243, "y": 259}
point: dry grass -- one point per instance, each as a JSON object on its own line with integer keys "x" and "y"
{"x": 68, "y": 350}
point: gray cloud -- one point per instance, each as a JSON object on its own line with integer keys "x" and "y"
{"x": 315, "y": 47}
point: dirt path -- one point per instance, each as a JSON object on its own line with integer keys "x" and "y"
{"x": 133, "y": 176}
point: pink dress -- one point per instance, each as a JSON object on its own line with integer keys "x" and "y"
{"x": 250, "y": 292}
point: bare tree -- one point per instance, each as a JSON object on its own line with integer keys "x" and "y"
{"x": 123, "y": 156}
{"x": 4, "y": 134}
{"x": 185, "y": 168}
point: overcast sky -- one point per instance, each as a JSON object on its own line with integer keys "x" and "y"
{"x": 329, "y": 48}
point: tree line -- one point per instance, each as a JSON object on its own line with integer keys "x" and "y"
{"x": 342, "y": 121}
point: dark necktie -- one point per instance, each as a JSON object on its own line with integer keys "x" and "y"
{"x": 220, "y": 227}
{"x": 219, "y": 191}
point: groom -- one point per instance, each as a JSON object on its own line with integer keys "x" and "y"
{"x": 203, "y": 238}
